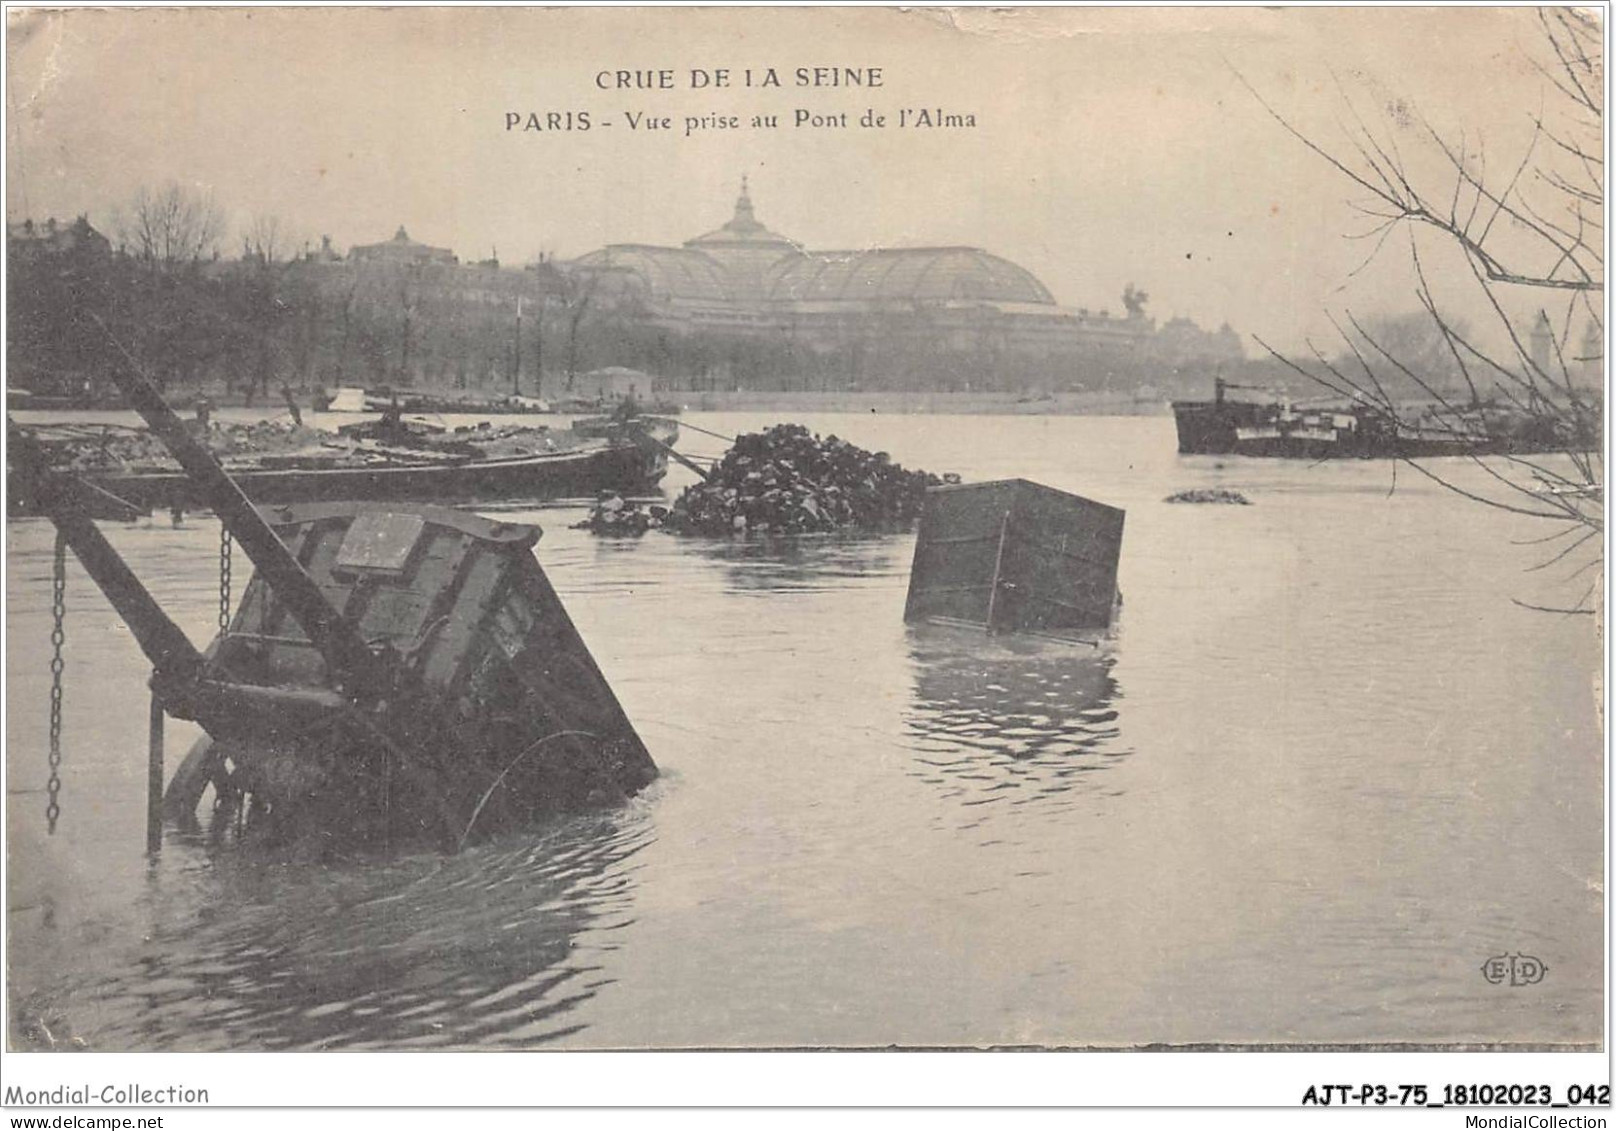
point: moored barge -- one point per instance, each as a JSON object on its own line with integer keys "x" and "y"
{"x": 1279, "y": 428}
{"x": 620, "y": 459}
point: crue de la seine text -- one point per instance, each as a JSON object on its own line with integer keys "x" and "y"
{"x": 699, "y": 78}
{"x": 652, "y": 120}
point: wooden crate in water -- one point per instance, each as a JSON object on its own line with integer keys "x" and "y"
{"x": 1015, "y": 556}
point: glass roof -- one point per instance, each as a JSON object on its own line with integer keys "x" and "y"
{"x": 670, "y": 273}
{"x": 764, "y": 271}
{"x": 924, "y": 274}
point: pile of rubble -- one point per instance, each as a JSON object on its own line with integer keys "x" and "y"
{"x": 263, "y": 437}
{"x": 783, "y": 481}
{"x": 88, "y": 447}
{"x": 613, "y": 514}
{"x": 483, "y": 440}
{"x": 1209, "y": 495}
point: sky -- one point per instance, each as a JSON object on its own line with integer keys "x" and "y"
{"x": 1109, "y": 146}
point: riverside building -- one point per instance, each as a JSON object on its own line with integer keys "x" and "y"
{"x": 940, "y": 317}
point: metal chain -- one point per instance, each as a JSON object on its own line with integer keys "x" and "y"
{"x": 53, "y": 785}
{"x": 224, "y": 578}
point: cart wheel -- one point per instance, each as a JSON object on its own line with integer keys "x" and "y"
{"x": 202, "y": 765}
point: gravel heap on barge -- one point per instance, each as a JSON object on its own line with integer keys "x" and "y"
{"x": 283, "y": 444}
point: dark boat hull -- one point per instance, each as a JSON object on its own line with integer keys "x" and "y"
{"x": 1244, "y": 428}
{"x": 618, "y": 467}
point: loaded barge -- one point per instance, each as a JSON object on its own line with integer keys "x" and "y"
{"x": 629, "y": 457}
{"x": 1277, "y": 428}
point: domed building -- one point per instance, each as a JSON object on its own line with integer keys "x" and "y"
{"x": 402, "y": 250}
{"x": 902, "y": 311}
{"x": 745, "y": 264}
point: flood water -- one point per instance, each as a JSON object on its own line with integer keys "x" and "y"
{"x": 1324, "y": 770}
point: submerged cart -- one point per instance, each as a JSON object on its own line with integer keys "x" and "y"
{"x": 392, "y": 672}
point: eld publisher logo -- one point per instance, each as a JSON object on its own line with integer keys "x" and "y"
{"x": 1516, "y": 969}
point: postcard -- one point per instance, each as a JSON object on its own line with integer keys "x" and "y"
{"x": 845, "y": 528}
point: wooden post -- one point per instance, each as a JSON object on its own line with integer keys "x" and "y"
{"x": 650, "y": 443}
{"x": 154, "y": 777}
{"x": 516, "y": 371}
{"x": 998, "y": 564}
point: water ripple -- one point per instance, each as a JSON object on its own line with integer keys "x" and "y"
{"x": 996, "y": 716}
{"x": 420, "y": 951}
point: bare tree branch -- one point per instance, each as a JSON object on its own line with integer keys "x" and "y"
{"x": 1528, "y": 415}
